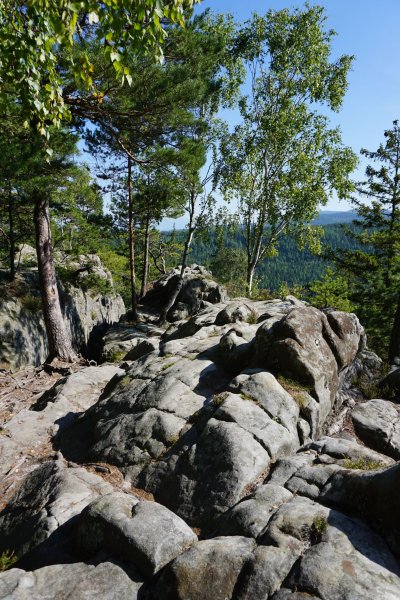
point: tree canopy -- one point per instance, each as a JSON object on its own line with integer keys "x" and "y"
{"x": 283, "y": 161}
{"x": 35, "y": 33}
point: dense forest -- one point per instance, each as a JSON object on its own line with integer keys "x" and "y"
{"x": 291, "y": 266}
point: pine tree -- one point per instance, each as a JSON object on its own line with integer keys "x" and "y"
{"x": 375, "y": 267}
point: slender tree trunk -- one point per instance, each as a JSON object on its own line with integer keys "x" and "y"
{"x": 394, "y": 346}
{"x": 132, "y": 244}
{"x": 145, "y": 257}
{"x": 59, "y": 340}
{"x": 11, "y": 234}
{"x": 179, "y": 285}
{"x": 249, "y": 279}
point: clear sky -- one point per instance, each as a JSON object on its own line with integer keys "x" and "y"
{"x": 368, "y": 29}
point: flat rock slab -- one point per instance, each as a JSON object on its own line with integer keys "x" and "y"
{"x": 143, "y": 533}
{"x": 377, "y": 423}
{"x": 27, "y": 438}
{"x": 76, "y": 581}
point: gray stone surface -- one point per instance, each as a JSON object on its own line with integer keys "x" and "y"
{"x": 377, "y": 423}
{"x": 251, "y": 516}
{"x": 77, "y": 581}
{"x": 237, "y": 311}
{"x": 198, "y": 289}
{"x": 29, "y": 430}
{"x": 42, "y": 509}
{"x": 197, "y": 418}
{"x": 209, "y": 570}
{"x": 312, "y": 348}
{"x": 22, "y": 331}
{"x": 144, "y": 533}
{"x": 209, "y": 476}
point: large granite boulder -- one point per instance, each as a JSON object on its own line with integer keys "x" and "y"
{"x": 141, "y": 532}
{"x": 312, "y": 348}
{"x": 197, "y": 291}
{"x": 377, "y": 423}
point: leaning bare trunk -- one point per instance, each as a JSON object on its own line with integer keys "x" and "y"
{"x": 132, "y": 244}
{"x": 249, "y": 279}
{"x": 59, "y": 341}
{"x": 145, "y": 258}
{"x": 394, "y": 347}
{"x": 179, "y": 284}
{"x": 11, "y": 235}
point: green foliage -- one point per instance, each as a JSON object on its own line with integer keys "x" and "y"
{"x": 331, "y": 291}
{"x": 319, "y": 525}
{"x": 96, "y": 284}
{"x": 282, "y": 162}
{"x": 373, "y": 270}
{"x": 117, "y": 357}
{"x": 35, "y": 34}
{"x": 296, "y": 290}
{"x": 90, "y": 282}
{"x": 363, "y": 464}
{"x": 7, "y": 560}
{"x": 31, "y": 303}
{"x": 228, "y": 266}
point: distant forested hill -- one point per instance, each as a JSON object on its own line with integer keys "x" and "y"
{"x": 291, "y": 266}
{"x": 332, "y": 217}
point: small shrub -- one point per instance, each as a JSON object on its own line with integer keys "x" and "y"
{"x": 31, "y": 303}
{"x": 168, "y": 365}
{"x": 117, "y": 356}
{"x": 293, "y": 387}
{"x": 7, "y": 560}
{"x": 252, "y": 319}
{"x": 91, "y": 282}
{"x": 319, "y": 525}
{"x": 95, "y": 284}
{"x": 314, "y": 532}
{"x": 363, "y": 464}
{"x": 218, "y": 399}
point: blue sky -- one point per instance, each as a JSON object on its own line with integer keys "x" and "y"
{"x": 369, "y": 30}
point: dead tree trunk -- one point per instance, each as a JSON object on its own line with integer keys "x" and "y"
{"x": 172, "y": 299}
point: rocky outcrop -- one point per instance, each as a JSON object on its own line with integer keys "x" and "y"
{"x": 106, "y": 580}
{"x": 86, "y": 309}
{"x": 198, "y": 290}
{"x": 199, "y": 421}
{"x": 232, "y": 487}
